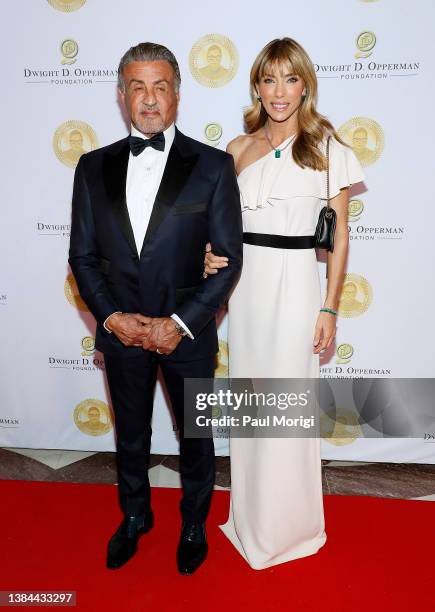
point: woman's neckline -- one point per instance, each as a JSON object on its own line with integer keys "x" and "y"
{"x": 284, "y": 142}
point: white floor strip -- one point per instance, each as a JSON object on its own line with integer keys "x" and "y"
{"x": 56, "y": 459}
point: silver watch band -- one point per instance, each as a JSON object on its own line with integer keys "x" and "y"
{"x": 180, "y": 330}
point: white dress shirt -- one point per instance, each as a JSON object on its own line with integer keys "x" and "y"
{"x": 144, "y": 175}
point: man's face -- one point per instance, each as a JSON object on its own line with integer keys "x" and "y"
{"x": 76, "y": 140}
{"x": 94, "y": 415}
{"x": 214, "y": 56}
{"x": 150, "y": 95}
{"x": 349, "y": 291}
{"x": 359, "y": 140}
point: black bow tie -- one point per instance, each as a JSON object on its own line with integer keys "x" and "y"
{"x": 137, "y": 145}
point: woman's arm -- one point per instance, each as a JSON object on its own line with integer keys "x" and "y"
{"x": 337, "y": 259}
{"x": 325, "y": 330}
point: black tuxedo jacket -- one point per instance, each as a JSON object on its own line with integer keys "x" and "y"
{"x": 198, "y": 201}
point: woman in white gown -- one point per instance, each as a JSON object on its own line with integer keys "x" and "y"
{"x": 276, "y": 328}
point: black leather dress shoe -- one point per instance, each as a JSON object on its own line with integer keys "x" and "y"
{"x": 192, "y": 549}
{"x": 123, "y": 544}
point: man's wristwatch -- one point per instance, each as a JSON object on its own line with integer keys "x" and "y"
{"x": 180, "y": 330}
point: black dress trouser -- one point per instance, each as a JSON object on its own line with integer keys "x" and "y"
{"x": 132, "y": 382}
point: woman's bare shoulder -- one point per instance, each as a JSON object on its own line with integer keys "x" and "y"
{"x": 238, "y": 145}
{"x": 243, "y": 147}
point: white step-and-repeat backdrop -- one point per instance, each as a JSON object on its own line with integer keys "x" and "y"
{"x": 375, "y": 63}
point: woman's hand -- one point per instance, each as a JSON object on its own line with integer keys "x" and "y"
{"x": 325, "y": 331}
{"x": 212, "y": 262}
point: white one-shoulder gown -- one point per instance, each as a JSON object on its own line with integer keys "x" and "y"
{"x": 276, "y": 509}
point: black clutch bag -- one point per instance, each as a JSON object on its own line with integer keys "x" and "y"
{"x": 325, "y": 230}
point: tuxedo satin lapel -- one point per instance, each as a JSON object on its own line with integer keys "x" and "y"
{"x": 177, "y": 170}
{"x": 115, "y": 178}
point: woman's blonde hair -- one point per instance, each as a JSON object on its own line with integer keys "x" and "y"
{"x": 313, "y": 127}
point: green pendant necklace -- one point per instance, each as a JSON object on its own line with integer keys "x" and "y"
{"x": 278, "y": 151}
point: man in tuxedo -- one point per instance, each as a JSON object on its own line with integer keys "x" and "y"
{"x": 143, "y": 210}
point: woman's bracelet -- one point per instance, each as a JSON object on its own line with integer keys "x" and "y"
{"x": 334, "y": 312}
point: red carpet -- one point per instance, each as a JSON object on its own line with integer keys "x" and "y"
{"x": 379, "y": 555}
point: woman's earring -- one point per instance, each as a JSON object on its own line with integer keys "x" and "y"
{"x": 304, "y": 94}
{"x": 259, "y": 98}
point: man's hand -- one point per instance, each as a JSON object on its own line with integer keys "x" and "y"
{"x": 162, "y": 336}
{"x": 130, "y": 328}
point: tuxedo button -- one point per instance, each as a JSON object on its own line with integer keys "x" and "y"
{"x": 135, "y": 258}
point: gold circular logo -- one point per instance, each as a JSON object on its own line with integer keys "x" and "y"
{"x": 71, "y": 140}
{"x": 213, "y": 60}
{"x": 88, "y": 345}
{"x": 93, "y": 417}
{"x": 356, "y": 208}
{"x": 221, "y": 370}
{"x": 365, "y": 43}
{"x": 356, "y": 296}
{"x": 344, "y": 353}
{"x": 72, "y": 294}
{"x": 66, "y": 6}
{"x": 366, "y": 138}
{"x": 69, "y": 49}
{"x": 213, "y": 131}
{"x": 216, "y": 412}
{"x": 345, "y": 429}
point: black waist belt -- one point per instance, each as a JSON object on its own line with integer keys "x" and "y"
{"x": 279, "y": 242}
